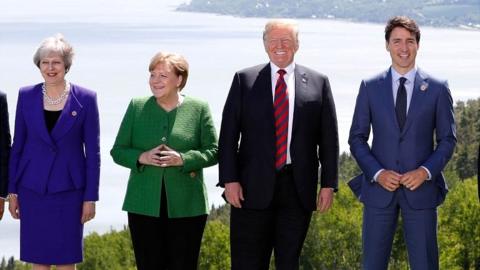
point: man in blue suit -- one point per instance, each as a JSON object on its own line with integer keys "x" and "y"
{"x": 411, "y": 116}
{"x": 5, "y": 141}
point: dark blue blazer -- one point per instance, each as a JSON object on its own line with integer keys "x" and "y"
{"x": 68, "y": 158}
{"x": 247, "y": 136}
{"x": 5, "y": 141}
{"x": 428, "y": 138}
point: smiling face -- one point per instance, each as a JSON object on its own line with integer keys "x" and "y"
{"x": 52, "y": 68}
{"x": 164, "y": 83}
{"x": 281, "y": 45}
{"x": 403, "y": 48}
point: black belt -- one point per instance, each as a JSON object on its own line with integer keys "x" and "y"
{"x": 285, "y": 169}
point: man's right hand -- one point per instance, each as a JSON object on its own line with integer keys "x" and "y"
{"x": 389, "y": 180}
{"x": 234, "y": 194}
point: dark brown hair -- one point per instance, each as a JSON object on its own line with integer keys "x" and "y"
{"x": 402, "y": 21}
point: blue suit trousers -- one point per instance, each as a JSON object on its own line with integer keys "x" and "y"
{"x": 420, "y": 234}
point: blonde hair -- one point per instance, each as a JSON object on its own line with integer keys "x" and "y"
{"x": 287, "y": 23}
{"x": 176, "y": 61}
{"x": 54, "y": 44}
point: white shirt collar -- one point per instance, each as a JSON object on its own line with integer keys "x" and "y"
{"x": 289, "y": 69}
{"x": 410, "y": 75}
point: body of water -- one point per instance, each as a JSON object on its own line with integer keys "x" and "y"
{"x": 114, "y": 46}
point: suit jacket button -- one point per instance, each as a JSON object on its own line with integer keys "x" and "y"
{"x": 164, "y": 139}
{"x": 193, "y": 174}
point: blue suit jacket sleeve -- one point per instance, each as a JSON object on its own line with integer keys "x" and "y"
{"x": 359, "y": 134}
{"x": 444, "y": 133}
{"x": 91, "y": 134}
{"x": 17, "y": 147}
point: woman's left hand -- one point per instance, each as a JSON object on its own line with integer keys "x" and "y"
{"x": 170, "y": 157}
{"x": 88, "y": 212}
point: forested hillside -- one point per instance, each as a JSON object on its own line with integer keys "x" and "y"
{"x": 452, "y": 13}
{"x": 334, "y": 239}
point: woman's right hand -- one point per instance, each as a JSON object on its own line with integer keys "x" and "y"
{"x": 13, "y": 206}
{"x": 151, "y": 157}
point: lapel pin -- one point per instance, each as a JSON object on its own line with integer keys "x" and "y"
{"x": 74, "y": 113}
{"x": 423, "y": 87}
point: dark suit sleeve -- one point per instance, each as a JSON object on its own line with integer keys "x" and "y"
{"x": 229, "y": 135}
{"x": 19, "y": 139}
{"x": 5, "y": 141}
{"x": 328, "y": 144}
{"x": 444, "y": 133}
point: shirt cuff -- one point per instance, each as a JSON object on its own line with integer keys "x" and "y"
{"x": 376, "y": 176}
{"x": 428, "y": 172}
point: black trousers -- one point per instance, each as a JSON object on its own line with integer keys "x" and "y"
{"x": 166, "y": 243}
{"x": 282, "y": 227}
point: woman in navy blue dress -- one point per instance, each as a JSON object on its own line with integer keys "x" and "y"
{"x": 55, "y": 162}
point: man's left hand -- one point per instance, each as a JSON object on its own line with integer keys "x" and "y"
{"x": 414, "y": 179}
{"x": 325, "y": 199}
{"x": 2, "y": 207}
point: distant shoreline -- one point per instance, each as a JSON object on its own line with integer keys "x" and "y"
{"x": 459, "y": 15}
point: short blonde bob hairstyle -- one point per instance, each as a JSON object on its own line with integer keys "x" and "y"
{"x": 54, "y": 44}
{"x": 175, "y": 61}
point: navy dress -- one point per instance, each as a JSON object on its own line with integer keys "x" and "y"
{"x": 50, "y": 228}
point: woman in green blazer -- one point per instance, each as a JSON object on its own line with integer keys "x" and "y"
{"x": 166, "y": 140}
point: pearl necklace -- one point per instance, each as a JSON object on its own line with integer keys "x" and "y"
{"x": 55, "y": 101}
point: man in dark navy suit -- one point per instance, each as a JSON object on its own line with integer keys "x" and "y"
{"x": 279, "y": 124}
{"x": 5, "y": 141}
{"x": 409, "y": 112}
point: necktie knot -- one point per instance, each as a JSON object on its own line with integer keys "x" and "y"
{"x": 402, "y": 80}
{"x": 281, "y": 72}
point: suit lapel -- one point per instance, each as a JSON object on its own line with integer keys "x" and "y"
{"x": 301, "y": 88}
{"x": 70, "y": 113}
{"x": 38, "y": 115}
{"x": 421, "y": 82}
{"x": 263, "y": 84}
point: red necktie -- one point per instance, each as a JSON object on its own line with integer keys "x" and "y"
{"x": 280, "y": 105}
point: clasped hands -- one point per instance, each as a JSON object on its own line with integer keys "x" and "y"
{"x": 391, "y": 180}
{"x": 161, "y": 156}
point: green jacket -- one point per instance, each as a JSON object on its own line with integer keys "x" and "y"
{"x": 189, "y": 130}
